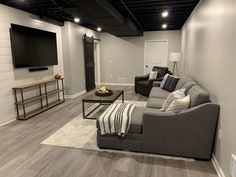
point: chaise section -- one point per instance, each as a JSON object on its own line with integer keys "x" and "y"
{"x": 188, "y": 134}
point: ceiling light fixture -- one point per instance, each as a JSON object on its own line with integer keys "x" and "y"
{"x": 76, "y": 20}
{"x": 165, "y": 14}
{"x": 99, "y": 29}
{"x": 164, "y": 26}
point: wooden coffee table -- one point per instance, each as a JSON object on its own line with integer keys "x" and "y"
{"x": 102, "y": 100}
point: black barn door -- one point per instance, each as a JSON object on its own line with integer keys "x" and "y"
{"x": 89, "y": 62}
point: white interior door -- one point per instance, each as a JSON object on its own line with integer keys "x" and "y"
{"x": 156, "y": 53}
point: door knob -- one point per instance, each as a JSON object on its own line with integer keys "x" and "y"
{"x": 146, "y": 66}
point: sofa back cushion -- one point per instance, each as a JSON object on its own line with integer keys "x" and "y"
{"x": 188, "y": 85}
{"x": 198, "y": 96}
{"x": 183, "y": 79}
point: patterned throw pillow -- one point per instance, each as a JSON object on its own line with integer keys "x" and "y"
{"x": 163, "y": 81}
{"x": 170, "y": 83}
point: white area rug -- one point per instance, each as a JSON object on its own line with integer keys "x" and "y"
{"x": 81, "y": 133}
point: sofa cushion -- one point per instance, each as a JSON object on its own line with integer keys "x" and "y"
{"x": 183, "y": 79}
{"x": 157, "y": 92}
{"x": 137, "y": 119}
{"x": 198, "y": 96}
{"x": 155, "y": 103}
{"x": 188, "y": 85}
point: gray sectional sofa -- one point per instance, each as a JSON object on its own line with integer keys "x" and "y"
{"x": 189, "y": 133}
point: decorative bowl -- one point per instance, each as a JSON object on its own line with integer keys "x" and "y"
{"x": 108, "y": 92}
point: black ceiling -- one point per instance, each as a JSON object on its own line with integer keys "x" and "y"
{"x": 148, "y": 12}
{"x": 118, "y": 17}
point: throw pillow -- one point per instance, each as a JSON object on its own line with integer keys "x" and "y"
{"x": 179, "y": 104}
{"x": 152, "y": 75}
{"x": 170, "y": 83}
{"x": 174, "y": 95}
{"x": 163, "y": 81}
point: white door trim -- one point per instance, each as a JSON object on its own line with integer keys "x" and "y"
{"x": 145, "y": 50}
{"x": 98, "y": 62}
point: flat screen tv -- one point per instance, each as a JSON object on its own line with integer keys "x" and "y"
{"x": 32, "y": 47}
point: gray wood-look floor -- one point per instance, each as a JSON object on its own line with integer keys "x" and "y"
{"x": 22, "y": 155}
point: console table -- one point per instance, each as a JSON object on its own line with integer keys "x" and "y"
{"x": 42, "y": 98}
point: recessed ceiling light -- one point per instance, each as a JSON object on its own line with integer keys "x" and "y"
{"x": 165, "y": 14}
{"x": 99, "y": 29}
{"x": 164, "y": 26}
{"x": 76, "y": 20}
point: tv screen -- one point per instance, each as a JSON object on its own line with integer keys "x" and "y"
{"x": 32, "y": 47}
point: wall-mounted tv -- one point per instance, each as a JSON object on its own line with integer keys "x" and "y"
{"x": 32, "y": 47}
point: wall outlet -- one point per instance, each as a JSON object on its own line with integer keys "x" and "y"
{"x": 233, "y": 166}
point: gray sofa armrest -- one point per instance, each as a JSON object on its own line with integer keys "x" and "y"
{"x": 189, "y": 134}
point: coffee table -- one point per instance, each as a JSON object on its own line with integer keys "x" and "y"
{"x": 102, "y": 100}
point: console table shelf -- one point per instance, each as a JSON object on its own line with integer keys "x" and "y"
{"x": 43, "y": 97}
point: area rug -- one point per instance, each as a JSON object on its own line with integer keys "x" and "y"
{"x": 81, "y": 133}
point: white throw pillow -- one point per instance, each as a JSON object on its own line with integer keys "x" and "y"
{"x": 164, "y": 80}
{"x": 179, "y": 104}
{"x": 152, "y": 75}
{"x": 173, "y": 95}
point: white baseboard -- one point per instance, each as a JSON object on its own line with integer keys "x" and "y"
{"x": 7, "y": 122}
{"x": 76, "y": 95}
{"x": 118, "y": 84}
{"x": 216, "y": 165}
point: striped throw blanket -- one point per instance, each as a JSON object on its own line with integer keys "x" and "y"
{"x": 116, "y": 119}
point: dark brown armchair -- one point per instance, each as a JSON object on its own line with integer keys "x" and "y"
{"x": 143, "y": 85}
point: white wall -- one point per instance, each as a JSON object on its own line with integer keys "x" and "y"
{"x": 124, "y": 57}
{"x": 10, "y": 77}
{"x": 73, "y": 52}
{"x": 209, "y": 50}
